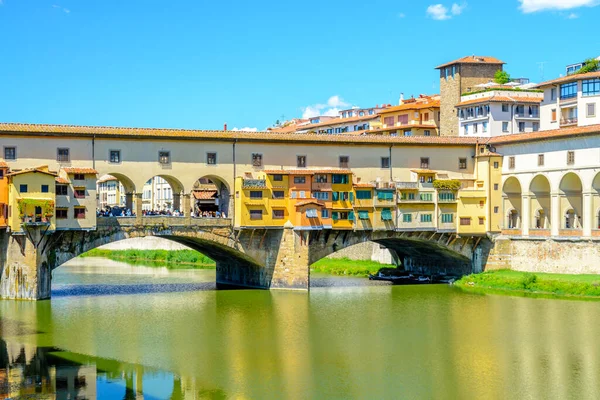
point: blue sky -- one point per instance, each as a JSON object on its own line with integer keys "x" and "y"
{"x": 198, "y": 64}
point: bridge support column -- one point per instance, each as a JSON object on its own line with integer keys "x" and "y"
{"x": 25, "y": 272}
{"x": 187, "y": 207}
{"x": 138, "y": 208}
{"x": 292, "y": 270}
{"x": 129, "y": 201}
{"x": 177, "y": 201}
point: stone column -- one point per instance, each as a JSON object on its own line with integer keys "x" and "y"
{"x": 177, "y": 201}
{"x": 526, "y": 217}
{"x": 231, "y": 206}
{"x": 129, "y": 201}
{"x": 588, "y": 214}
{"x": 291, "y": 269}
{"x": 555, "y": 213}
{"x": 187, "y": 205}
{"x": 138, "y": 208}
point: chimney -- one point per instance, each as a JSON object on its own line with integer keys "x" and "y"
{"x": 401, "y": 99}
{"x": 225, "y": 126}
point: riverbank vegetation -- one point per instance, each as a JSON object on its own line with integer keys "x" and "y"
{"x": 526, "y": 282}
{"x": 176, "y": 259}
{"x": 346, "y": 266}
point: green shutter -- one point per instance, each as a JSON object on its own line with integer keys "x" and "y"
{"x": 335, "y": 216}
{"x": 352, "y": 197}
{"x": 351, "y": 216}
{"x": 363, "y": 214}
{"x": 386, "y": 214}
{"x": 335, "y": 196}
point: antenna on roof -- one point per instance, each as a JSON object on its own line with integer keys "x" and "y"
{"x": 541, "y": 67}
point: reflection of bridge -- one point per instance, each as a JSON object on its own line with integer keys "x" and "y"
{"x": 260, "y": 258}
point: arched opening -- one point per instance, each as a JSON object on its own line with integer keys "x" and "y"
{"x": 115, "y": 193}
{"x": 511, "y": 193}
{"x": 211, "y": 197}
{"x": 161, "y": 195}
{"x": 540, "y": 202}
{"x": 571, "y": 201}
{"x": 596, "y": 199}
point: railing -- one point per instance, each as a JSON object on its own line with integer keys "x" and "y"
{"x": 254, "y": 183}
{"x": 407, "y": 185}
{"x": 164, "y": 220}
{"x": 527, "y": 115}
{"x": 568, "y": 121}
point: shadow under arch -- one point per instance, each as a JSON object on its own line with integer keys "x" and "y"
{"x": 204, "y": 197}
{"x": 540, "y": 202}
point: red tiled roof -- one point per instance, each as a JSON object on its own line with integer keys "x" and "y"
{"x": 570, "y": 78}
{"x": 59, "y": 179}
{"x": 181, "y": 134}
{"x": 311, "y": 201}
{"x": 473, "y": 60}
{"x": 544, "y": 135}
{"x": 204, "y": 194}
{"x": 28, "y": 170}
{"x": 3, "y": 164}
{"x": 86, "y": 171}
{"x": 306, "y": 171}
{"x": 501, "y": 99}
{"x": 411, "y": 106}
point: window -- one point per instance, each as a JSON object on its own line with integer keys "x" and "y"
{"x": 425, "y": 162}
{"x": 255, "y": 214}
{"x": 427, "y": 132}
{"x": 386, "y": 214}
{"x": 23, "y": 188}
{"x": 426, "y": 196}
{"x": 364, "y": 195}
{"x": 407, "y": 133}
{"x": 496, "y": 209}
{"x": 521, "y": 126}
{"x": 505, "y": 127}
{"x": 466, "y": 129}
{"x": 211, "y": 158}
{"x": 446, "y": 196}
{"x": 520, "y": 110}
{"x": 10, "y": 153}
{"x": 540, "y": 160}
{"x": 79, "y": 193}
{"x": 114, "y": 156}
{"x": 164, "y": 157}
{"x": 45, "y": 189}
{"x": 278, "y": 194}
{"x": 342, "y": 215}
{"x": 407, "y": 218}
{"x": 277, "y": 178}
{"x": 294, "y": 194}
{"x": 256, "y": 194}
{"x": 484, "y": 127}
{"x": 324, "y": 213}
{"x": 495, "y": 186}
{"x": 385, "y": 162}
{"x": 475, "y": 128}
{"x": 320, "y": 178}
{"x": 511, "y": 162}
{"x": 481, "y": 220}
{"x": 257, "y": 160}
{"x": 496, "y": 164}
{"x": 462, "y": 163}
{"x": 465, "y": 221}
{"x": 79, "y": 212}
{"x": 403, "y": 119}
{"x": 363, "y": 214}
{"x": 389, "y": 121}
{"x": 299, "y": 179}
{"x": 79, "y": 177}
{"x": 311, "y": 213}
{"x": 62, "y": 155}
{"x": 570, "y": 157}
{"x": 301, "y": 161}
{"x": 553, "y": 94}
{"x": 425, "y": 116}
{"x": 447, "y": 218}
{"x": 320, "y": 195}
{"x": 536, "y": 126}
{"x": 590, "y": 87}
{"x": 553, "y": 115}
{"x": 62, "y": 213}
{"x": 590, "y": 110}
{"x": 481, "y": 203}
{"x": 344, "y": 161}
{"x": 61, "y": 190}
{"x": 339, "y": 179}
{"x": 568, "y": 90}
{"x": 426, "y": 218}
{"x": 504, "y": 107}
{"x": 407, "y": 196}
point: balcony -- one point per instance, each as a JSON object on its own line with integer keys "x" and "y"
{"x": 535, "y": 115}
{"x": 568, "y": 121}
{"x": 407, "y": 185}
{"x": 420, "y": 197}
{"x": 254, "y": 183}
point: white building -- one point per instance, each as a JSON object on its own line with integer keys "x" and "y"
{"x": 572, "y": 100}
{"x": 499, "y": 111}
{"x": 572, "y": 68}
{"x": 111, "y": 192}
{"x": 351, "y": 120}
{"x": 157, "y": 195}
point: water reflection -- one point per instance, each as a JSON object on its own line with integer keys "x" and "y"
{"x": 344, "y": 341}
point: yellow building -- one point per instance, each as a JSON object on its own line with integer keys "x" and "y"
{"x": 414, "y": 117}
{"x": 31, "y": 198}
{"x": 76, "y": 199}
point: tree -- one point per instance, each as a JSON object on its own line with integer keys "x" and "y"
{"x": 589, "y": 65}
{"x": 501, "y": 77}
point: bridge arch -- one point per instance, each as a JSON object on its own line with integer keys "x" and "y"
{"x": 512, "y": 199}
{"x": 211, "y": 193}
{"x": 571, "y": 201}
{"x": 156, "y": 196}
{"x": 115, "y": 189}
{"x": 540, "y": 202}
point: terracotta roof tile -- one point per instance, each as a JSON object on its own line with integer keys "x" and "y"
{"x": 204, "y": 194}
{"x": 424, "y": 171}
{"x": 59, "y": 179}
{"x": 311, "y": 201}
{"x": 544, "y": 135}
{"x": 181, "y": 134}
{"x": 3, "y": 164}
{"x": 501, "y": 99}
{"x": 570, "y": 78}
{"x": 28, "y": 170}
{"x": 411, "y": 106}
{"x": 75, "y": 170}
{"x": 473, "y": 60}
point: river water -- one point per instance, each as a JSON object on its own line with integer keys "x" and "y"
{"x": 116, "y": 331}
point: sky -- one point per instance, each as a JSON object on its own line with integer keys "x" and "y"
{"x": 196, "y": 64}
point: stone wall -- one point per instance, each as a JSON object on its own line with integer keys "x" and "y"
{"x": 145, "y": 243}
{"x": 363, "y": 252}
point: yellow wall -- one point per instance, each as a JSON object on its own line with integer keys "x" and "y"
{"x": 34, "y": 182}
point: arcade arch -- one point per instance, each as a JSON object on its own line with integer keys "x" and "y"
{"x": 211, "y": 195}
{"x": 540, "y": 202}
{"x": 512, "y": 202}
{"x": 571, "y": 201}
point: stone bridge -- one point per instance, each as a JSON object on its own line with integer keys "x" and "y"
{"x": 255, "y": 258}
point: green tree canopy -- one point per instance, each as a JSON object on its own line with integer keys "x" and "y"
{"x": 501, "y": 77}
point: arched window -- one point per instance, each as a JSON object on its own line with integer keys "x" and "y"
{"x": 540, "y": 219}
{"x": 570, "y": 220}
{"x": 513, "y": 219}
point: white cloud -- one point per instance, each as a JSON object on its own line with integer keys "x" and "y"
{"x": 440, "y": 12}
{"x": 530, "y": 6}
{"x": 331, "y": 108}
{"x": 245, "y": 129}
{"x": 400, "y": 15}
{"x": 65, "y": 10}
{"x": 572, "y": 16}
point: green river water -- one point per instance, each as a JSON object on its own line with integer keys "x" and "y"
{"x": 117, "y": 331}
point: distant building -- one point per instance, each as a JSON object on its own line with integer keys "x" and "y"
{"x": 458, "y": 77}
{"x": 157, "y": 195}
{"x": 111, "y": 192}
{"x": 572, "y": 68}
{"x": 413, "y": 117}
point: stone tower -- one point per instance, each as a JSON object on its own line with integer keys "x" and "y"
{"x": 458, "y": 77}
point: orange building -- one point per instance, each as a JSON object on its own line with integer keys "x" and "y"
{"x": 413, "y": 117}
{"x": 3, "y": 195}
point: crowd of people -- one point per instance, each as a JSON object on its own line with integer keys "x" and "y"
{"x": 209, "y": 214}
{"x": 167, "y": 213}
{"x": 114, "y": 212}
{"x": 126, "y": 212}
